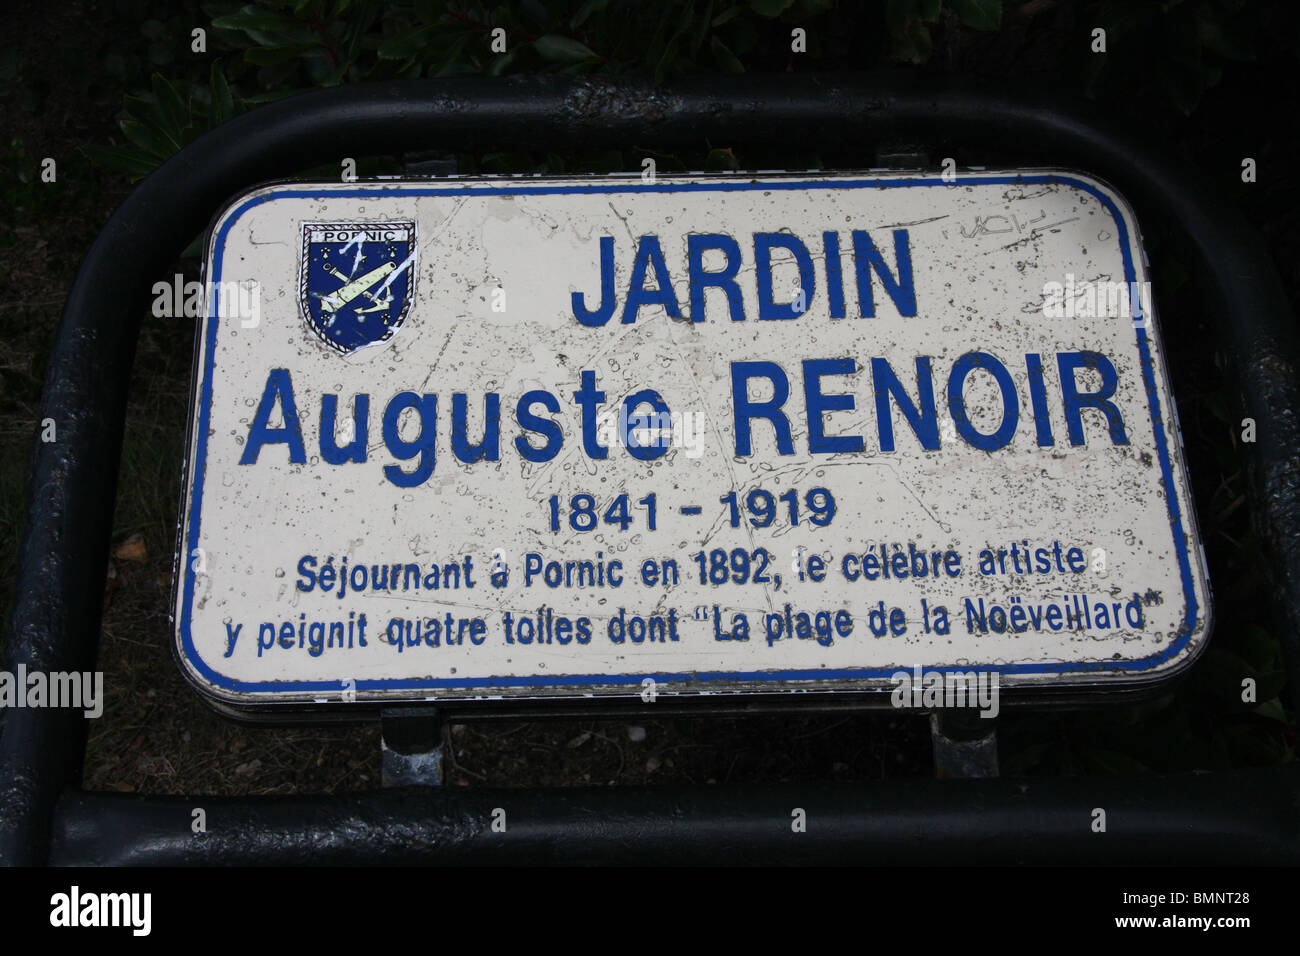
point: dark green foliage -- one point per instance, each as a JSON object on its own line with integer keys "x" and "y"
{"x": 274, "y": 48}
{"x": 1185, "y": 43}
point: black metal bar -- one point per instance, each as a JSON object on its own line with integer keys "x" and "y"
{"x": 1164, "y": 820}
{"x": 55, "y": 622}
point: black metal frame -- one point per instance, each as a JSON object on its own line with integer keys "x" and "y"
{"x": 1245, "y": 816}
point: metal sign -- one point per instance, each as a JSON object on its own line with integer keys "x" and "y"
{"x": 483, "y": 439}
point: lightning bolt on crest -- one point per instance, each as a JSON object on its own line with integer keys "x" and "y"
{"x": 349, "y": 308}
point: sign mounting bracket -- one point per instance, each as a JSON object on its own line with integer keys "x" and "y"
{"x": 965, "y": 745}
{"x": 411, "y": 739}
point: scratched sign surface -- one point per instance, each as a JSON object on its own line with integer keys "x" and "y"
{"x": 550, "y": 438}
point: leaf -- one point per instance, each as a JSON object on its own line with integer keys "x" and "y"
{"x": 176, "y": 113}
{"x": 1223, "y": 38}
{"x": 1221, "y": 672}
{"x": 979, "y": 14}
{"x": 1270, "y": 683}
{"x": 274, "y": 75}
{"x": 501, "y": 62}
{"x": 505, "y": 162}
{"x": 150, "y": 139}
{"x": 601, "y": 161}
{"x": 724, "y": 58}
{"x": 1250, "y": 746}
{"x": 270, "y": 96}
{"x": 135, "y": 163}
{"x": 223, "y": 104}
{"x": 670, "y": 51}
{"x": 358, "y": 30}
{"x": 400, "y": 46}
{"x": 1271, "y": 710}
{"x": 335, "y": 76}
{"x": 726, "y": 15}
{"x": 1123, "y": 18}
{"x": 806, "y": 9}
{"x": 770, "y": 8}
{"x": 144, "y": 110}
{"x": 532, "y": 11}
{"x": 251, "y": 18}
{"x": 428, "y": 11}
{"x": 559, "y": 49}
{"x": 914, "y": 44}
{"x": 655, "y": 47}
{"x": 666, "y": 60}
{"x": 701, "y": 29}
{"x": 1259, "y": 648}
{"x": 270, "y": 55}
{"x": 1183, "y": 84}
{"x": 449, "y": 60}
{"x": 586, "y": 10}
{"x": 897, "y": 15}
{"x": 721, "y": 159}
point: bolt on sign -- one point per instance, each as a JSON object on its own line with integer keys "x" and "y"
{"x": 552, "y": 438}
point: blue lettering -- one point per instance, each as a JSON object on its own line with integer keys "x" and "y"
{"x": 595, "y": 317}
{"x": 545, "y": 427}
{"x": 1075, "y": 401}
{"x": 819, "y": 443}
{"x": 744, "y": 408}
{"x": 422, "y": 445}
{"x": 957, "y": 402}
{"x": 489, "y": 449}
{"x": 278, "y": 386}
{"x": 768, "y": 308}
{"x": 924, "y": 421}
{"x": 650, "y": 257}
{"x": 868, "y": 258}
{"x": 696, "y": 245}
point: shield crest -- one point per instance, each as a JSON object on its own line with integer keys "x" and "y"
{"x": 356, "y": 281}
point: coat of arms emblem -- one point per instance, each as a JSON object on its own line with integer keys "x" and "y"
{"x": 356, "y": 280}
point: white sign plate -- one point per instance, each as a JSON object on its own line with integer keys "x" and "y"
{"x": 483, "y": 439}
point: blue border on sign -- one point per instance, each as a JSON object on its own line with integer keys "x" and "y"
{"x": 594, "y": 680}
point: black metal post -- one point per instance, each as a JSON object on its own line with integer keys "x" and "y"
{"x": 1157, "y": 820}
{"x": 55, "y": 623}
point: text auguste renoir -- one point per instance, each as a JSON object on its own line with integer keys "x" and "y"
{"x": 804, "y": 390}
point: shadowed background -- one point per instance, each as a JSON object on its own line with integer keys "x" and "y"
{"x": 111, "y": 89}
